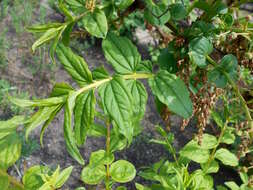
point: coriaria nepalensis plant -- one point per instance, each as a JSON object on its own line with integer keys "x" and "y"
{"x": 187, "y": 72}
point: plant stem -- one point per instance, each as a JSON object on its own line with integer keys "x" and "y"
{"x": 108, "y": 139}
{"x": 211, "y": 158}
{"x": 12, "y": 180}
{"x": 98, "y": 83}
{"x": 238, "y": 94}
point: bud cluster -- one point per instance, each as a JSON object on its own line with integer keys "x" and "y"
{"x": 90, "y": 5}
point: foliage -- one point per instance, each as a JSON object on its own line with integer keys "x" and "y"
{"x": 186, "y": 79}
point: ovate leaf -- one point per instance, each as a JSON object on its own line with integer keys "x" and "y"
{"x": 213, "y": 167}
{"x": 172, "y": 91}
{"x": 226, "y": 157}
{"x": 93, "y": 176}
{"x": 32, "y": 177}
{"x": 122, "y": 171}
{"x": 227, "y": 66}
{"x": 198, "y": 49}
{"x": 209, "y": 141}
{"x": 61, "y": 89}
{"x": 100, "y": 157}
{"x": 118, "y": 104}
{"x": 74, "y": 65}
{"x": 10, "y": 150}
{"x": 96, "y": 23}
{"x": 194, "y": 152}
{"x": 232, "y": 185}
{"x": 68, "y": 133}
{"x": 178, "y": 11}
{"x": 121, "y": 53}
{"x": 84, "y": 115}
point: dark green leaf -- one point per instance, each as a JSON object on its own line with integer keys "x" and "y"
{"x": 178, "y": 11}
{"x": 84, "y": 115}
{"x": 74, "y": 65}
{"x": 96, "y": 23}
{"x": 68, "y": 133}
{"x": 61, "y": 89}
{"x": 122, "y": 4}
{"x": 118, "y": 104}
{"x": 121, "y": 53}
{"x": 172, "y": 91}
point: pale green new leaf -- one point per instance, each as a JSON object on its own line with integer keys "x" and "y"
{"x": 4, "y": 182}
{"x": 226, "y": 157}
{"x": 93, "y": 176}
{"x": 7, "y": 127}
{"x": 213, "y": 167}
{"x": 61, "y": 89}
{"x": 100, "y": 157}
{"x": 122, "y": 4}
{"x": 47, "y": 36}
{"x": 118, "y": 104}
{"x": 122, "y": 171}
{"x": 209, "y": 141}
{"x": 84, "y": 115}
{"x": 74, "y": 65}
{"x": 232, "y": 185}
{"x": 10, "y": 150}
{"x": 172, "y": 91}
{"x": 121, "y": 53}
{"x": 32, "y": 177}
{"x": 37, "y": 103}
{"x": 194, "y": 152}
{"x": 63, "y": 177}
{"x": 96, "y": 23}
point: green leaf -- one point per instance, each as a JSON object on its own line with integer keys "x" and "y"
{"x": 66, "y": 34}
{"x": 100, "y": 73}
{"x": 228, "y": 137}
{"x": 141, "y": 187}
{"x": 100, "y": 158}
{"x": 4, "y": 182}
{"x": 10, "y": 150}
{"x": 68, "y": 133}
{"x": 226, "y": 157}
{"x": 157, "y": 14}
{"x": 96, "y": 23}
{"x": 198, "y": 49}
{"x": 32, "y": 177}
{"x": 209, "y": 141}
{"x": 41, "y": 116}
{"x": 48, "y": 36}
{"x": 123, "y": 4}
{"x": 74, "y": 65}
{"x": 121, "y": 188}
{"x": 37, "y": 103}
{"x": 213, "y": 167}
{"x": 194, "y": 152}
{"x": 97, "y": 130}
{"x": 63, "y": 177}
{"x": 93, "y": 176}
{"x": 121, "y": 53}
{"x": 172, "y": 91}
{"x": 84, "y": 115}
{"x": 46, "y": 124}
{"x": 118, "y": 104}
{"x": 244, "y": 177}
{"x": 80, "y": 188}
{"x": 167, "y": 61}
{"x": 232, "y": 185}
{"x": 145, "y": 67}
{"x": 43, "y": 27}
{"x": 140, "y": 97}
{"x": 61, "y": 89}
{"x": 227, "y": 65}
{"x": 122, "y": 171}
{"x": 203, "y": 181}
{"x": 178, "y": 11}
{"x": 9, "y": 126}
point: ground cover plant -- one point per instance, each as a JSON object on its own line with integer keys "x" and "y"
{"x": 201, "y": 70}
